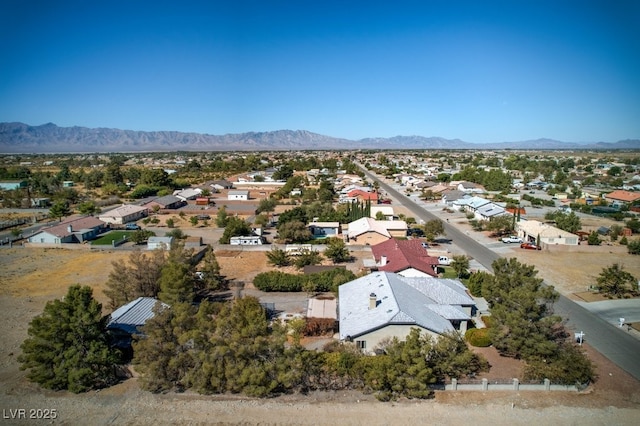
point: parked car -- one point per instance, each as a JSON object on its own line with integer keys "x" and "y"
{"x": 512, "y": 239}
{"x": 204, "y": 217}
{"x": 444, "y": 260}
{"x": 132, "y": 227}
{"x": 530, "y": 246}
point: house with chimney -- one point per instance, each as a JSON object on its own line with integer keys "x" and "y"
{"x": 385, "y": 305}
{"x": 404, "y": 257}
{"x": 70, "y": 231}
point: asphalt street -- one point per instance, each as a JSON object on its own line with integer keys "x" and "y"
{"x": 616, "y": 343}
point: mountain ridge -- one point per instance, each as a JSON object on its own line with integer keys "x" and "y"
{"x": 16, "y": 137}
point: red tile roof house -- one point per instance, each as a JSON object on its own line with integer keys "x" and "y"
{"x": 363, "y": 195}
{"x": 622, "y": 197}
{"x": 405, "y": 257}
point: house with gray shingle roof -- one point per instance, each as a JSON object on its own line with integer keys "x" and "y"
{"x": 384, "y": 305}
{"x": 123, "y": 214}
{"x": 166, "y": 202}
{"x": 71, "y": 230}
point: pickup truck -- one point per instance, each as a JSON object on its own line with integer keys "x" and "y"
{"x": 512, "y": 239}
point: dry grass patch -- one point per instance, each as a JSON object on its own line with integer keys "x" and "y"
{"x": 29, "y": 272}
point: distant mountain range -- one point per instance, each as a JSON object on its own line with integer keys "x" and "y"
{"x": 49, "y": 138}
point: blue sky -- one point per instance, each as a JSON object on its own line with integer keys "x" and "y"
{"x": 481, "y": 71}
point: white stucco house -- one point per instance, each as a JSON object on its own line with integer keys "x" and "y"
{"x": 530, "y": 230}
{"x": 71, "y": 230}
{"x": 384, "y": 305}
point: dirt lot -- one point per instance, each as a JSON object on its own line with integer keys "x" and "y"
{"x": 31, "y": 277}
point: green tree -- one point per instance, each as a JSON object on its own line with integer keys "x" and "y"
{"x": 433, "y": 229}
{"x": 211, "y": 278}
{"x": 569, "y": 365}
{"x": 59, "y": 210}
{"x": 593, "y": 239}
{"x": 239, "y": 352}
{"x": 155, "y": 177}
{"x": 236, "y": 227}
{"x": 337, "y": 250}
{"x": 407, "y": 372}
{"x": 460, "y": 264}
{"x": 308, "y": 257}
{"x": 568, "y": 222}
{"x": 266, "y": 205}
{"x": 501, "y": 225}
{"x": 67, "y": 347}
{"x": 88, "y": 208}
{"x": 519, "y": 301}
{"x": 161, "y": 354}
{"x": 140, "y": 236}
{"x": 177, "y": 277}
{"x": 278, "y": 257}
{"x": 193, "y": 220}
{"x": 293, "y": 232}
{"x": 222, "y": 217}
{"x": 451, "y": 358}
{"x": 614, "y": 280}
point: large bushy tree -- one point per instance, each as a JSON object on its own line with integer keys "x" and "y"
{"x": 235, "y": 227}
{"x": 177, "y": 277}
{"x": 210, "y": 278}
{"x": 67, "y": 347}
{"x": 524, "y": 325}
{"x": 521, "y": 307}
{"x": 614, "y": 280}
{"x": 137, "y": 277}
{"x": 337, "y": 250}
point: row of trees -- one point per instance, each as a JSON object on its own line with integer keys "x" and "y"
{"x": 218, "y": 348}
{"x": 169, "y": 276}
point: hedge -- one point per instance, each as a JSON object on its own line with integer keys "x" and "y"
{"x": 478, "y": 337}
{"x": 323, "y": 281}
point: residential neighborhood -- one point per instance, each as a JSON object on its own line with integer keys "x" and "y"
{"x": 347, "y": 251}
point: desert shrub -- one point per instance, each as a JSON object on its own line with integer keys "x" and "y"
{"x": 633, "y": 247}
{"x": 478, "y": 337}
{"x": 487, "y": 320}
{"x": 319, "y": 326}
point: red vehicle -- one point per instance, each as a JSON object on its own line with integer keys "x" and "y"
{"x": 529, "y": 246}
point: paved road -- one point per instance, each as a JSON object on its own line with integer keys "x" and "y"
{"x": 615, "y": 343}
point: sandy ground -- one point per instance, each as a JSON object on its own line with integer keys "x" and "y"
{"x": 31, "y": 277}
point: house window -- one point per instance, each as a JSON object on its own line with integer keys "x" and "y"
{"x": 361, "y": 344}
